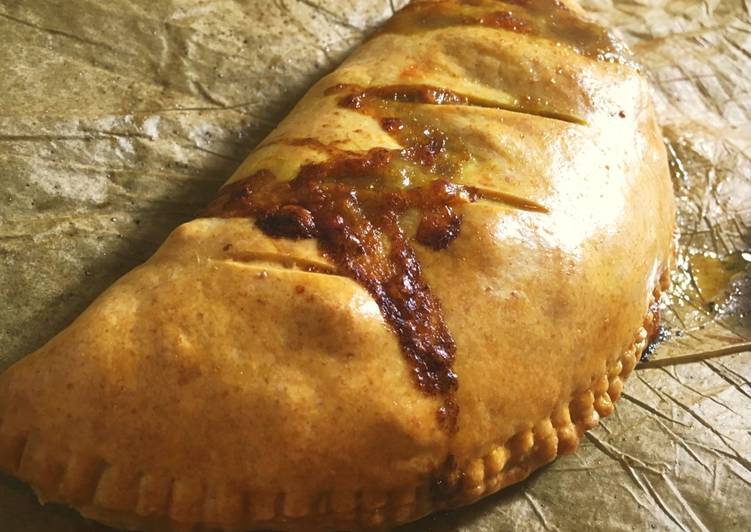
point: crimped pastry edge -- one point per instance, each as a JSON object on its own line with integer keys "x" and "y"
{"x": 95, "y": 488}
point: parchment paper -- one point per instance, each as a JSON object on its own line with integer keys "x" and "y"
{"x": 119, "y": 120}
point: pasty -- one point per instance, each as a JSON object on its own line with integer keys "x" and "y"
{"x": 426, "y": 283}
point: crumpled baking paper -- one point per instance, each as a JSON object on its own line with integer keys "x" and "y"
{"x": 120, "y": 119}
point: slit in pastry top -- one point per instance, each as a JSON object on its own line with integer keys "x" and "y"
{"x": 352, "y": 204}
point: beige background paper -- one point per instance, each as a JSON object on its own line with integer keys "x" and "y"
{"x": 120, "y": 119}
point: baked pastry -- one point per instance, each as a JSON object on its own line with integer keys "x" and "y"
{"x": 426, "y": 283}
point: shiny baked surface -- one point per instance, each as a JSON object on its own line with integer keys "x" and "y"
{"x": 293, "y": 379}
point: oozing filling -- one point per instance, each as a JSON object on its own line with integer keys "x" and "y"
{"x": 354, "y": 203}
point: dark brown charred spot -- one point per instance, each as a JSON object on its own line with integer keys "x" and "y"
{"x": 291, "y": 221}
{"x": 441, "y": 219}
{"x": 439, "y": 227}
{"x": 446, "y": 480}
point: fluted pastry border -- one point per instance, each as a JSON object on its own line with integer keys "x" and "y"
{"x": 106, "y": 493}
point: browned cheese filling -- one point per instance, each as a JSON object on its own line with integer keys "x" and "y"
{"x": 354, "y": 202}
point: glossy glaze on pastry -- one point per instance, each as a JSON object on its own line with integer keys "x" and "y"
{"x": 427, "y": 282}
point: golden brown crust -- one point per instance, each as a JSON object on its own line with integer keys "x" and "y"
{"x": 118, "y": 498}
{"x": 243, "y": 381}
